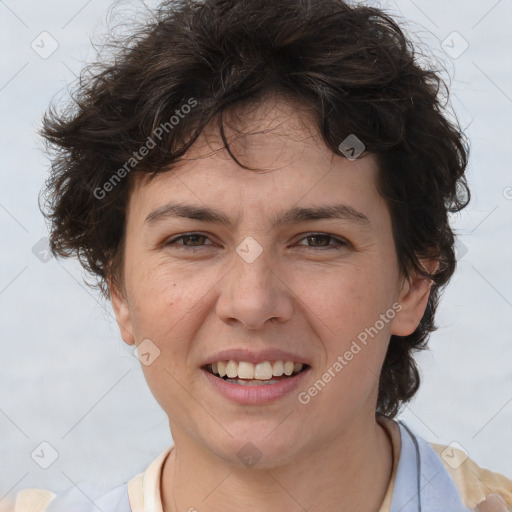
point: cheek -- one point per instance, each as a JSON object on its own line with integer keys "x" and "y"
{"x": 345, "y": 315}
{"x": 168, "y": 303}
{"x": 156, "y": 300}
{"x": 344, "y": 309}
{"x": 344, "y": 300}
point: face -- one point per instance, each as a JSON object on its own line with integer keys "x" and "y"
{"x": 260, "y": 277}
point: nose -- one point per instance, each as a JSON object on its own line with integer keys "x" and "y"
{"x": 254, "y": 292}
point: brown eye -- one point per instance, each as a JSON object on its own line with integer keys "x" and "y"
{"x": 188, "y": 240}
{"x": 321, "y": 240}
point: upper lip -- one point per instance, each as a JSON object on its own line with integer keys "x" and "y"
{"x": 252, "y": 356}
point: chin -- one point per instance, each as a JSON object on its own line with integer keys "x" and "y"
{"x": 259, "y": 448}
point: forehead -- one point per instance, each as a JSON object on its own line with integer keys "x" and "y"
{"x": 289, "y": 165}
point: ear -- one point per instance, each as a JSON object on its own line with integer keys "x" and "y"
{"x": 122, "y": 312}
{"x": 413, "y": 298}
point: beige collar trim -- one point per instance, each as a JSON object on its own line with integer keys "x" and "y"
{"x": 144, "y": 489}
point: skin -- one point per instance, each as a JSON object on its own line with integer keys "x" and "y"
{"x": 492, "y": 503}
{"x": 298, "y": 295}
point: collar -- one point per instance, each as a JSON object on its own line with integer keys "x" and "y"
{"x": 422, "y": 483}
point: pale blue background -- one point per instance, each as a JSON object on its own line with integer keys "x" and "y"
{"x": 68, "y": 379}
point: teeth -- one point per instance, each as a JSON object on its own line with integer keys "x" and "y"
{"x": 263, "y": 371}
{"x": 232, "y": 369}
{"x": 245, "y": 370}
{"x": 288, "y": 368}
{"x": 278, "y": 368}
{"x": 260, "y": 371}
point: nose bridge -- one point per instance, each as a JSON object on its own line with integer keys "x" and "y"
{"x": 251, "y": 292}
{"x": 252, "y": 264}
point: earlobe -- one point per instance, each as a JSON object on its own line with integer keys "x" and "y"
{"x": 122, "y": 312}
{"x": 413, "y": 298}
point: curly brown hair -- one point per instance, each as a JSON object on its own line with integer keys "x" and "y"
{"x": 351, "y": 64}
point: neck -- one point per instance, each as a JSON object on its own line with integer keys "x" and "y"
{"x": 349, "y": 472}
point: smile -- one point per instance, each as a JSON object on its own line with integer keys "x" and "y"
{"x": 252, "y": 384}
{"x": 244, "y": 372}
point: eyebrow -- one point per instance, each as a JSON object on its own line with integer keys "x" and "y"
{"x": 292, "y": 216}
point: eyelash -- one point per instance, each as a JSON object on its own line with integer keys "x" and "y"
{"x": 339, "y": 245}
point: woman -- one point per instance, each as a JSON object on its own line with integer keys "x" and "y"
{"x": 262, "y": 190}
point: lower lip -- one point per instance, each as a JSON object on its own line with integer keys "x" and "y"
{"x": 257, "y": 394}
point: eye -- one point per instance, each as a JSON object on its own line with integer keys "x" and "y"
{"x": 318, "y": 241}
{"x": 315, "y": 237}
{"x": 196, "y": 240}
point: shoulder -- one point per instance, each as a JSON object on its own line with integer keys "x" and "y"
{"x": 33, "y": 500}
{"x": 143, "y": 490}
{"x": 434, "y": 475}
{"x": 83, "y": 499}
{"x": 473, "y": 482}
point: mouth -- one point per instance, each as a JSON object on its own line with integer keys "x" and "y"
{"x": 259, "y": 388}
{"x": 245, "y": 373}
